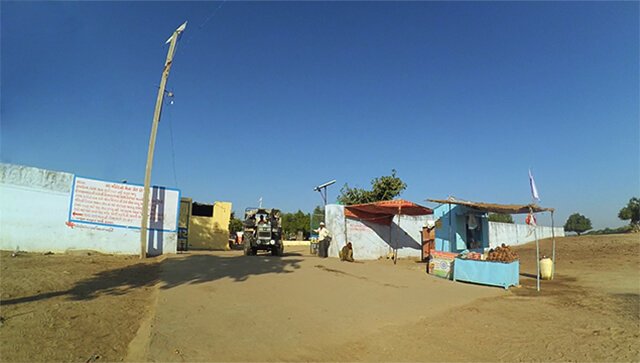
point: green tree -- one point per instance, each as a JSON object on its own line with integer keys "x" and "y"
{"x": 577, "y": 223}
{"x": 500, "y": 217}
{"x": 294, "y": 222}
{"x": 631, "y": 213}
{"x": 317, "y": 216}
{"x": 383, "y": 188}
{"x": 235, "y": 225}
{"x": 318, "y": 211}
{"x": 349, "y": 196}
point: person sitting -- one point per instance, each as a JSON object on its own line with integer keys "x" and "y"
{"x": 261, "y": 221}
{"x": 346, "y": 253}
{"x": 251, "y": 221}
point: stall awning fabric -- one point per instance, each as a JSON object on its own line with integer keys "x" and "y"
{"x": 383, "y": 212}
{"x": 495, "y": 208}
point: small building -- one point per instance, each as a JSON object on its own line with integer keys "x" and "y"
{"x": 464, "y": 225}
{"x": 378, "y": 230}
{"x": 460, "y": 228}
{"x": 204, "y": 226}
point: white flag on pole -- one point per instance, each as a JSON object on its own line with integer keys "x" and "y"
{"x": 534, "y": 190}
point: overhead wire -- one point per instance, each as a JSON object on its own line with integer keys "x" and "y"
{"x": 173, "y": 153}
{"x": 169, "y": 112}
{"x": 192, "y": 34}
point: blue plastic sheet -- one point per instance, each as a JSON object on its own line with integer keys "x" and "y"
{"x": 487, "y": 272}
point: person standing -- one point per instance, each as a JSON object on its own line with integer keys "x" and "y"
{"x": 324, "y": 238}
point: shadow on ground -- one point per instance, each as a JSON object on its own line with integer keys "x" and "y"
{"x": 190, "y": 269}
{"x": 204, "y": 268}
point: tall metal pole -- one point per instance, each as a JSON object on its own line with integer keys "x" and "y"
{"x": 535, "y": 233}
{"x": 152, "y": 139}
{"x": 323, "y": 195}
{"x": 322, "y": 189}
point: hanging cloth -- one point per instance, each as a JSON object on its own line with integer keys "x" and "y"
{"x": 530, "y": 220}
{"x": 472, "y": 222}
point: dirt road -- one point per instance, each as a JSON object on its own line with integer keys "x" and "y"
{"x": 226, "y": 307}
{"x": 305, "y": 309}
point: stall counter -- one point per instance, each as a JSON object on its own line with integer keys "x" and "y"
{"x": 487, "y": 272}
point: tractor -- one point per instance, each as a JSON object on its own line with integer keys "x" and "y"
{"x": 262, "y": 231}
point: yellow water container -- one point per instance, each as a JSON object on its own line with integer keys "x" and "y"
{"x": 546, "y": 268}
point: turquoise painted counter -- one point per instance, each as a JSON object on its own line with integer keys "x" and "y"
{"x": 487, "y": 272}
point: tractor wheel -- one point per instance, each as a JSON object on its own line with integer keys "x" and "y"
{"x": 248, "y": 250}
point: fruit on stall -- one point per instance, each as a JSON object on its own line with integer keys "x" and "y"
{"x": 502, "y": 253}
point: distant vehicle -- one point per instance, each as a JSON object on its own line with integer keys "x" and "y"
{"x": 262, "y": 230}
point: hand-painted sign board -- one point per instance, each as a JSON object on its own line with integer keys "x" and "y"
{"x": 120, "y": 205}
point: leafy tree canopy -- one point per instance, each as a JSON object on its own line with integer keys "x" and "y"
{"x": 631, "y": 213}
{"x": 499, "y": 217}
{"x": 317, "y": 216}
{"x": 319, "y": 212}
{"x": 235, "y": 225}
{"x": 294, "y": 222}
{"x": 577, "y": 223}
{"x": 383, "y": 188}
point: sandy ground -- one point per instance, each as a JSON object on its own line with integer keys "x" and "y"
{"x": 589, "y": 312}
{"x": 226, "y": 307}
{"x": 70, "y": 308}
{"x": 306, "y": 309}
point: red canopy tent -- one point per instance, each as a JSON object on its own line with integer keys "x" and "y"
{"x": 383, "y": 212}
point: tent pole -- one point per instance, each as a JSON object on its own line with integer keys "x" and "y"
{"x": 553, "y": 239}
{"x": 422, "y": 245}
{"x": 535, "y": 231}
{"x": 390, "y": 237}
{"x": 450, "y": 242}
{"x": 395, "y": 258}
{"x": 395, "y": 248}
{"x": 346, "y": 235}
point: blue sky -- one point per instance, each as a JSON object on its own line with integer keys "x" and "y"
{"x": 273, "y": 98}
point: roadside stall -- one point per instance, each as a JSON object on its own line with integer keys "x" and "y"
{"x": 441, "y": 263}
{"x": 500, "y": 267}
{"x": 383, "y": 213}
{"x": 463, "y": 231}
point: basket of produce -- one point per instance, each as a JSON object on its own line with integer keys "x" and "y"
{"x": 502, "y": 253}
